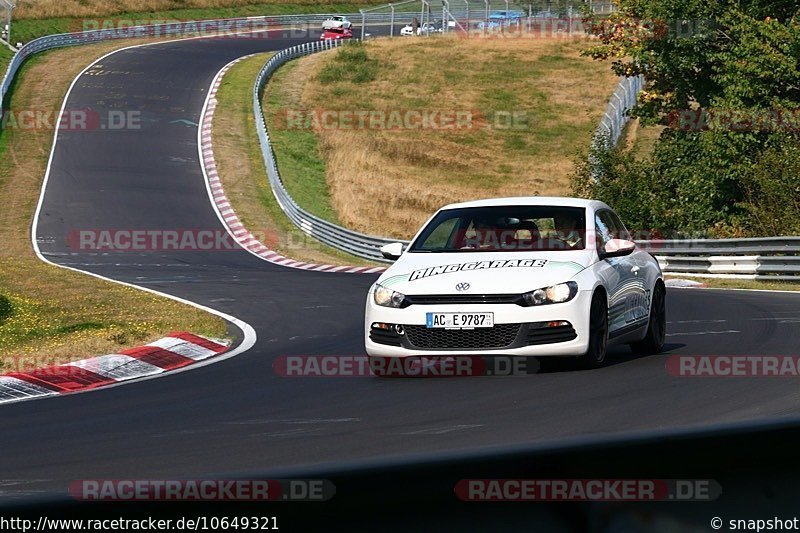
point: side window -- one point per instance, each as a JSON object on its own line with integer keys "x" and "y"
{"x": 606, "y": 229}
{"x": 621, "y": 232}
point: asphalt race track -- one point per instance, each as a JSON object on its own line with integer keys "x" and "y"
{"x": 237, "y": 416}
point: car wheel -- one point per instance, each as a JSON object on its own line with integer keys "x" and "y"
{"x": 653, "y": 342}
{"x": 595, "y": 354}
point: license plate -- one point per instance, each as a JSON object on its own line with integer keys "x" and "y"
{"x": 459, "y": 320}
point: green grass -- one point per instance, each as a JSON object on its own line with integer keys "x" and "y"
{"x": 5, "y": 58}
{"x": 234, "y": 102}
{"x": 27, "y": 29}
{"x": 350, "y": 64}
{"x": 297, "y": 151}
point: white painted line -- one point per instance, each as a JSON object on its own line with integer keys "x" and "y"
{"x": 689, "y": 333}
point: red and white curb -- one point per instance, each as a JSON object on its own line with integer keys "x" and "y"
{"x": 223, "y": 206}
{"x": 178, "y": 350}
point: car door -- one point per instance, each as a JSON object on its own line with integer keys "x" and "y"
{"x": 637, "y": 301}
{"x": 628, "y": 301}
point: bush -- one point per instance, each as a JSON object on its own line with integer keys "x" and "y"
{"x": 351, "y": 63}
{"x": 708, "y": 183}
{"x": 627, "y": 185}
{"x": 772, "y": 192}
{"x": 6, "y": 309}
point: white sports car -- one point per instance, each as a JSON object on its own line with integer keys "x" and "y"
{"x": 529, "y": 276}
{"x": 336, "y": 22}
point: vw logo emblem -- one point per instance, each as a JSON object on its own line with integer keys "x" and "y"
{"x": 462, "y": 287}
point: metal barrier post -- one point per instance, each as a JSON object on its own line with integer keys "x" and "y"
{"x": 363, "y": 23}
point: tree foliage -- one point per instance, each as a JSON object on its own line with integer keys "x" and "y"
{"x": 724, "y": 77}
{"x": 706, "y": 53}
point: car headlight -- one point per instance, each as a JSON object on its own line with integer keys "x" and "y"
{"x": 387, "y": 297}
{"x": 556, "y": 294}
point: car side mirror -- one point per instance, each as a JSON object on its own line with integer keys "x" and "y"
{"x": 617, "y": 248}
{"x": 392, "y": 251}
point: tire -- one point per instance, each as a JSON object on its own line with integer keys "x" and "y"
{"x": 653, "y": 341}
{"x": 595, "y": 355}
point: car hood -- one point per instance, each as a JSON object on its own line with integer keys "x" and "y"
{"x": 485, "y": 272}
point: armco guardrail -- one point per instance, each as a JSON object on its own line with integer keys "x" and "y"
{"x": 358, "y": 244}
{"x": 706, "y": 247}
{"x": 769, "y": 258}
{"x": 617, "y": 111}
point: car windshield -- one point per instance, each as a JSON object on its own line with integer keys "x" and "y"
{"x": 504, "y": 229}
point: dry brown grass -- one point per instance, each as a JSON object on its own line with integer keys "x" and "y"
{"x": 641, "y": 139}
{"x": 241, "y": 169}
{"x": 389, "y": 182}
{"x": 58, "y": 314}
{"x": 35, "y": 9}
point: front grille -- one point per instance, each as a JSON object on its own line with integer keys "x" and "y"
{"x": 438, "y": 299}
{"x": 538, "y": 333}
{"x": 499, "y": 336}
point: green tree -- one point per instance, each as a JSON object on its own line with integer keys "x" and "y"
{"x": 701, "y": 52}
{"x": 724, "y": 76}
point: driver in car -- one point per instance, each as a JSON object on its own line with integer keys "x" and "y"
{"x": 567, "y": 230}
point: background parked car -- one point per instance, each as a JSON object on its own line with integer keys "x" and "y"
{"x": 424, "y": 29}
{"x": 501, "y": 19}
{"x": 408, "y": 30}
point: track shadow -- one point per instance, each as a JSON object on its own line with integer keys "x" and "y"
{"x": 616, "y": 356}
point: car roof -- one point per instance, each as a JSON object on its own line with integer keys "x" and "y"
{"x": 531, "y": 200}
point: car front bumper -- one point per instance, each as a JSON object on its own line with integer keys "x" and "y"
{"x": 530, "y": 339}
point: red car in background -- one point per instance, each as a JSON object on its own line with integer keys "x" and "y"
{"x": 337, "y": 33}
